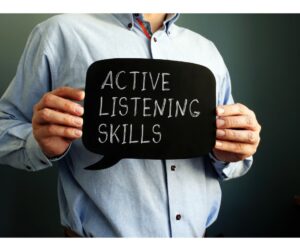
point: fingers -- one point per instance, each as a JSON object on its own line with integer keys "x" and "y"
{"x": 57, "y": 115}
{"x": 59, "y": 131}
{"x": 237, "y": 132}
{"x": 58, "y": 100}
{"x": 232, "y": 110}
{"x": 69, "y": 93}
{"x": 235, "y": 122}
{"x": 49, "y": 116}
{"x": 243, "y": 136}
{"x": 234, "y": 147}
{"x": 56, "y": 120}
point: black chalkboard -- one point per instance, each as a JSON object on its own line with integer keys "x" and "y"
{"x": 148, "y": 109}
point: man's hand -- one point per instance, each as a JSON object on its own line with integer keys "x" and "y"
{"x": 56, "y": 120}
{"x": 237, "y": 133}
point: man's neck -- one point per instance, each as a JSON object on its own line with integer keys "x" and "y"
{"x": 155, "y": 19}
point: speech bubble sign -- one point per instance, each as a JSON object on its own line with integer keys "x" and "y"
{"x": 148, "y": 109}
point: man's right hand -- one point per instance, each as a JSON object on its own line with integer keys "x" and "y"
{"x": 57, "y": 121}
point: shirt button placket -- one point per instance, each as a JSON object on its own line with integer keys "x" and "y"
{"x": 175, "y": 198}
{"x": 155, "y": 45}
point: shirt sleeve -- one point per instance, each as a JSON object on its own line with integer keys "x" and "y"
{"x": 233, "y": 169}
{"x": 33, "y": 78}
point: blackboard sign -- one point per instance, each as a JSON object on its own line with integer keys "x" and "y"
{"x": 148, "y": 109}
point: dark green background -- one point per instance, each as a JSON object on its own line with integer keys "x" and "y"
{"x": 262, "y": 53}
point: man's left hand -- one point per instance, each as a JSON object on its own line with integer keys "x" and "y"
{"x": 237, "y": 133}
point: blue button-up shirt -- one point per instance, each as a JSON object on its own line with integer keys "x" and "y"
{"x": 135, "y": 197}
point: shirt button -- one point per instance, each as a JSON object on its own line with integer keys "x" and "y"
{"x": 129, "y": 25}
{"x": 155, "y": 39}
{"x": 178, "y": 216}
{"x": 173, "y": 168}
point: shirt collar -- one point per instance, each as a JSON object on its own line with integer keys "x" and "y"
{"x": 127, "y": 20}
{"x": 170, "y": 19}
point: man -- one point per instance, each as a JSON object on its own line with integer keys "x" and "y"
{"x": 41, "y": 124}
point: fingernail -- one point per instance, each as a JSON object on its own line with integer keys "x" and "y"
{"x": 218, "y": 143}
{"x": 78, "y": 121}
{"x": 82, "y": 94}
{"x": 79, "y": 110}
{"x": 220, "y": 110}
{"x": 220, "y": 122}
{"x": 220, "y": 133}
{"x": 78, "y": 133}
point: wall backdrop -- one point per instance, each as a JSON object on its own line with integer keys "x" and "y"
{"x": 262, "y": 53}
